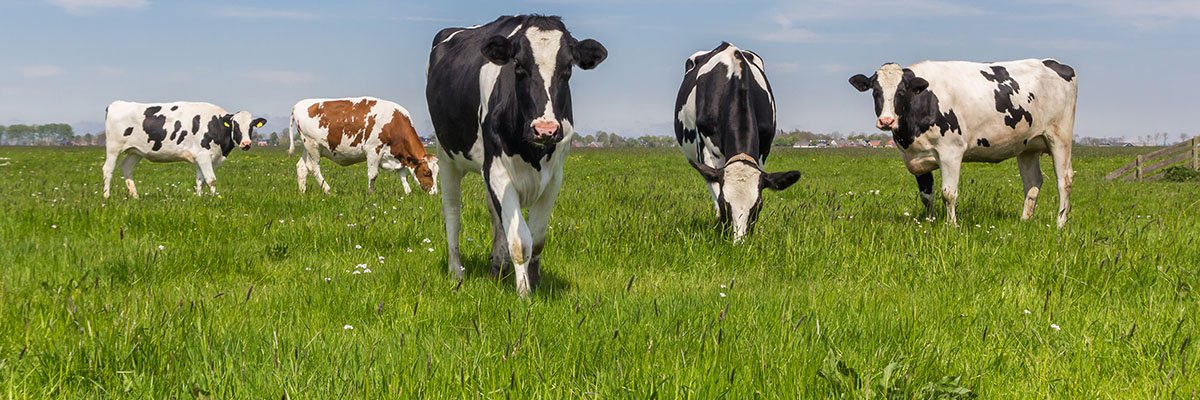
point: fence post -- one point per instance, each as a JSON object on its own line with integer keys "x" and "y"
{"x": 1195, "y": 153}
{"x": 1138, "y": 164}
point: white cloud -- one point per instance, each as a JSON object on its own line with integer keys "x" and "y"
{"x": 77, "y": 6}
{"x": 40, "y": 71}
{"x": 280, "y": 77}
{"x": 265, "y": 13}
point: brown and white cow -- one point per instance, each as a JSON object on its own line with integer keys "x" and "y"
{"x": 352, "y": 130}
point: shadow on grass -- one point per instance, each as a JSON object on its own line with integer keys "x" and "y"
{"x": 479, "y": 268}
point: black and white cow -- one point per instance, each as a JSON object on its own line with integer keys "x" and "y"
{"x": 513, "y": 124}
{"x": 200, "y": 133}
{"x": 944, "y": 113}
{"x": 725, "y": 122}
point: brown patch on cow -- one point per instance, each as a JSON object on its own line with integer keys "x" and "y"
{"x": 344, "y": 119}
{"x": 405, "y": 145}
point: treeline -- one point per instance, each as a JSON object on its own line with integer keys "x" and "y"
{"x": 794, "y": 137}
{"x": 36, "y": 135}
{"x": 606, "y": 139}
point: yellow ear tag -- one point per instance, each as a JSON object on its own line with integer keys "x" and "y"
{"x": 227, "y": 125}
{"x": 259, "y": 125}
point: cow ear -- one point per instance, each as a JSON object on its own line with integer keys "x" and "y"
{"x": 918, "y": 85}
{"x": 860, "y": 82}
{"x": 710, "y": 174}
{"x": 258, "y": 122}
{"x": 499, "y": 50}
{"x": 589, "y": 53}
{"x": 779, "y": 180}
{"x": 688, "y": 65}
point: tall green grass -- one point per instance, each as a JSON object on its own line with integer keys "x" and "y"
{"x": 840, "y": 292}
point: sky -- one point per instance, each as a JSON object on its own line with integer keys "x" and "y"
{"x": 65, "y": 60}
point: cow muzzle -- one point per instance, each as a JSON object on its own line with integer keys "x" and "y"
{"x": 886, "y": 123}
{"x": 245, "y": 145}
{"x": 546, "y": 132}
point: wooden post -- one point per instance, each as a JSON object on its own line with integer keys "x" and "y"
{"x": 1195, "y": 153}
{"x": 1138, "y": 172}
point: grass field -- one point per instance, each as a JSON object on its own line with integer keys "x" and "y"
{"x": 840, "y": 292}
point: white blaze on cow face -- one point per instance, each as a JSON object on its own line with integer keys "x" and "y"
{"x": 889, "y": 78}
{"x": 741, "y": 191}
{"x": 242, "y": 121}
{"x": 545, "y": 46}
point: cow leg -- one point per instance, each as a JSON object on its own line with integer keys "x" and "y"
{"x": 372, "y": 172}
{"x": 520, "y": 242}
{"x": 312, "y": 157}
{"x": 499, "y": 255}
{"x": 206, "y": 169}
{"x": 403, "y": 174}
{"x": 925, "y": 192}
{"x": 1031, "y": 179}
{"x": 1060, "y": 152}
{"x": 199, "y": 181}
{"x": 110, "y": 164}
{"x": 452, "y": 216}
{"x": 950, "y": 169}
{"x": 302, "y": 174}
{"x": 127, "y": 165}
{"x": 539, "y": 223}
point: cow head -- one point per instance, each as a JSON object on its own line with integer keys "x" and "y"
{"x": 894, "y": 89}
{"x": 541, "y": 59}
{"x": 741, "y": 183}
{"x": 426, "y": 171}
{"x": 241, "y": 128}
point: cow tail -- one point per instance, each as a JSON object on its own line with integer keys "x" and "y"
{"x": 291, "y": 133}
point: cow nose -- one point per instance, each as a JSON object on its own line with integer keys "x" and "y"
{"x": 886, "y": 123}
{"x": 245, "y": 144}
{"x": 545, "y": 128}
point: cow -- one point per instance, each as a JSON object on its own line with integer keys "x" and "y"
{"x": 724, "y": 123}
{"x": 944, "y": 113}
{"x": 352, "y": 130}
{"x": 200, "y": 133}
{"x": 512, "y": 124}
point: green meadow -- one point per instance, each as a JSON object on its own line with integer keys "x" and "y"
{"x": 843, "y": 291}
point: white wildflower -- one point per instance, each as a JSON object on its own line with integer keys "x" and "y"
{"x": 161, "y": 247}
{"x": 1055, "y": 327}
{"x": 327, "y": 279}
{"x": 356, "y": 272}
{"x": 360, "y": 266}
{"x": 381, "y": 259}
{"x": 408, "y": 250}
{"x": 430, "y": 249}
{"x": 906, "y": 214}
{"x": 426, "y": 241}
{"x": 53, "y": 226}
{"x": 722, "y": 294}
{"x": 348, "y": 327}
{"x": 1027, "y": 312}
{"x": 366, "y": 270}
{"x": 358, "y": 247}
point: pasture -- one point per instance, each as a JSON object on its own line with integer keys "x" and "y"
{"x": 840, "y": 292}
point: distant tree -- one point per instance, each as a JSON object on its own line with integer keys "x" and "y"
{"x": 274, "y": 141}
{"x": 3, "y": 129}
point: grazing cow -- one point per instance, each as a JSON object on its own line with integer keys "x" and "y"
{"x": 513, "y": 124}
{"x": 944, "y": 113}
{"x": 724, "y": 123}
{"x": 353, "y": 130}
{"x": 200, "y": 133}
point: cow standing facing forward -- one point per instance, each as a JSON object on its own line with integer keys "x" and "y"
{"x": 724, "y": 123}
{"x": 500, "y": 100}
{"x": 352, "y": 130}
{"x": 200, "y": 133}
{"x": 944, "y": 113}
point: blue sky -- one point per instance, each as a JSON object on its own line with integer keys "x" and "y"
{"x": 65, "y": 60}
